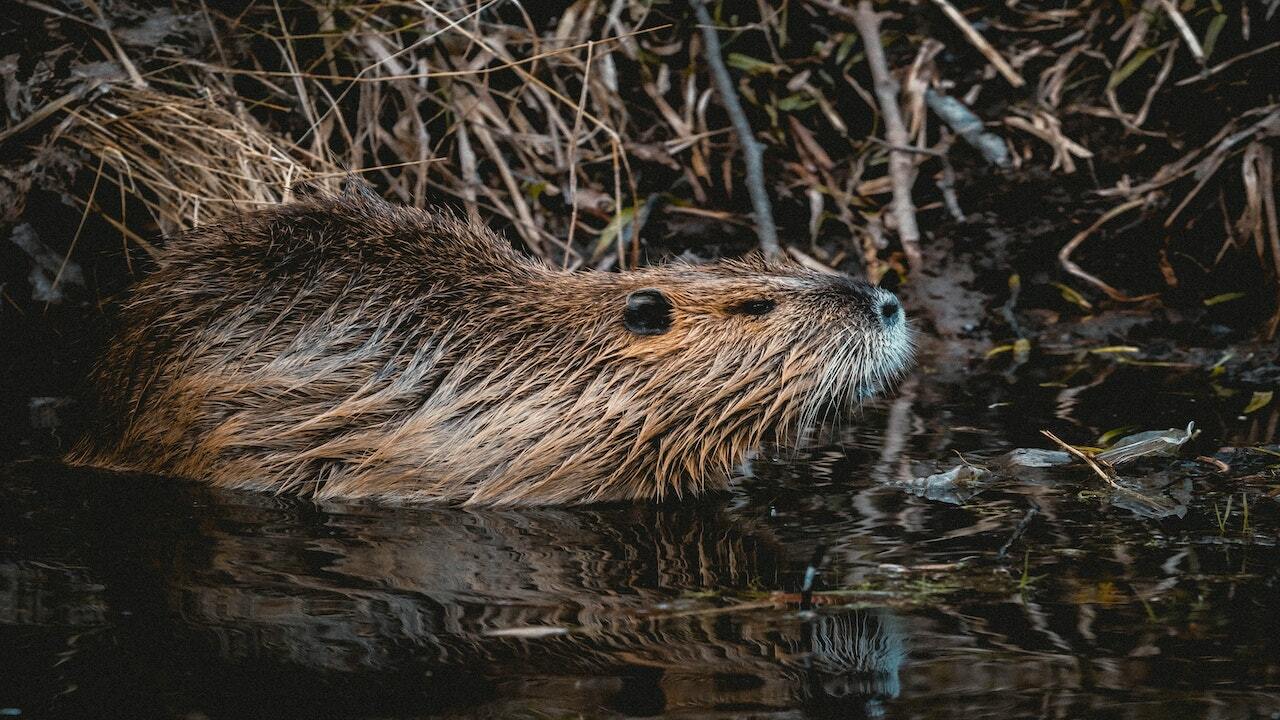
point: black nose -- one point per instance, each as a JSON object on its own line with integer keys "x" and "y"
{"x": 890, "y": 310}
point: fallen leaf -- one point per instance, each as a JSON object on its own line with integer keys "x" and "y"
{"x": 1260, "y": 399}
{"x": 1224, "y": 297}
{"x": 1147, "y": 444}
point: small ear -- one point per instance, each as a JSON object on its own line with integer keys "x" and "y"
{"x": 355, "y": 187}
{"x": 648, "y": 312}
{"x": 308, "y": 189}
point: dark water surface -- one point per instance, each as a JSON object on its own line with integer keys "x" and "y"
{"x": 1041, "y": 595}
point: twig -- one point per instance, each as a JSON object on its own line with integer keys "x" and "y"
{"x": 1134, "y": 121}
{"x": 752, "y": 150}
{"x": 1064, "y": 255}
{"x": 1227, "y": 63}
{"x": 573, "y": 151}
{"x": 968, "y": 126}
{"x": 1181, "y": 23}
{"x": 975, "y": 38}
{"x": 49, "y": 109}
{"x": 1087, "y": 460}
{"x": 931, "y": 152}
{"x": 947, "y": 183}
{"x": 901, "y": 167}
{"x": 134, "y": 76}
{"x": 808, "y": 260}
{"x": 836, "y": 8}
{"x": 53, "y": 287}
{"x": 1138, "y": 31}
{"x": 1048, "y": 128}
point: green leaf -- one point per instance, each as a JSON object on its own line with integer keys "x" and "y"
{"x": 796, "y": 101}
{"x": 1261, "y": 399}
{"x": 1224, "y": 297}
{"x": 611, "y": 230}
{"x": 846, "y": 45}
{"x": 1105, "y": 439}
{"x": 752, "y": 66}
{"x": 1138, "y": 60}
{"x": 1021, "y": 349}
{"x": 1070, "y": 295}
{"x": 1211, "y": 35}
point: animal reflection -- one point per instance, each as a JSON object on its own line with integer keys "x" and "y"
{"x": 614, "y": 595}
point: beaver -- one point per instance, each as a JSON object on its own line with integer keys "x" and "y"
{"x": 340, "y": 346}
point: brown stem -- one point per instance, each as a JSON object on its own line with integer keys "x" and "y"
{"x": 752, "y": 150}
{"x": 901, "y": 167}
{"x": 1064, "y": 255}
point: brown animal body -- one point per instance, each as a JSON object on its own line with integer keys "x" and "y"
{"x": 346, "y": 347}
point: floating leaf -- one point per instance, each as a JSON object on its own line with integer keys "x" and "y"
{"x": 1260, "y": 399}
{"x": 1224, "y": 297}
{"x": 1020, "y": 349}
{"x": 1036, "y": 458}
{"x": 955, "y": 486}
{"x": 1107, "y": 437}
{"x": 1152, "y": 443}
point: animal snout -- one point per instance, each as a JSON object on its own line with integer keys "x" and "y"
{"x": 890, "y": 309}
{"x": 882, "y": 304}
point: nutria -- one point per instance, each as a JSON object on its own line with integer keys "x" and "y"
{"x": 342, "y": 346}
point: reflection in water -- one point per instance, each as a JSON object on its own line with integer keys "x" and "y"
{"x": 459, "y": 588}
{"x": 619, "y": 596}
{"x": 137, "y": 597}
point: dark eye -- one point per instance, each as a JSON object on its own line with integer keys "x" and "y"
{"x": 648, "y": 312}
{"x": 753, "y": 307}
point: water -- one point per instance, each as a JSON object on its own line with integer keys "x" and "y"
{"x": 136, "y": 597}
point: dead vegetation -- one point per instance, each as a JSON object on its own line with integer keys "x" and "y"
{"x": 593, "y": 133}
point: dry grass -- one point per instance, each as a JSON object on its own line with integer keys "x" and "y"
{"x": 570, "y": 132}
{"x": 190, "y": 158}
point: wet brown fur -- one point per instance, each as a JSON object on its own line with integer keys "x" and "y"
{"x": 340, "y": 346}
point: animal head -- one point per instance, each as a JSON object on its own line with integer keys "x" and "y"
{"x": 670, "y": 375}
